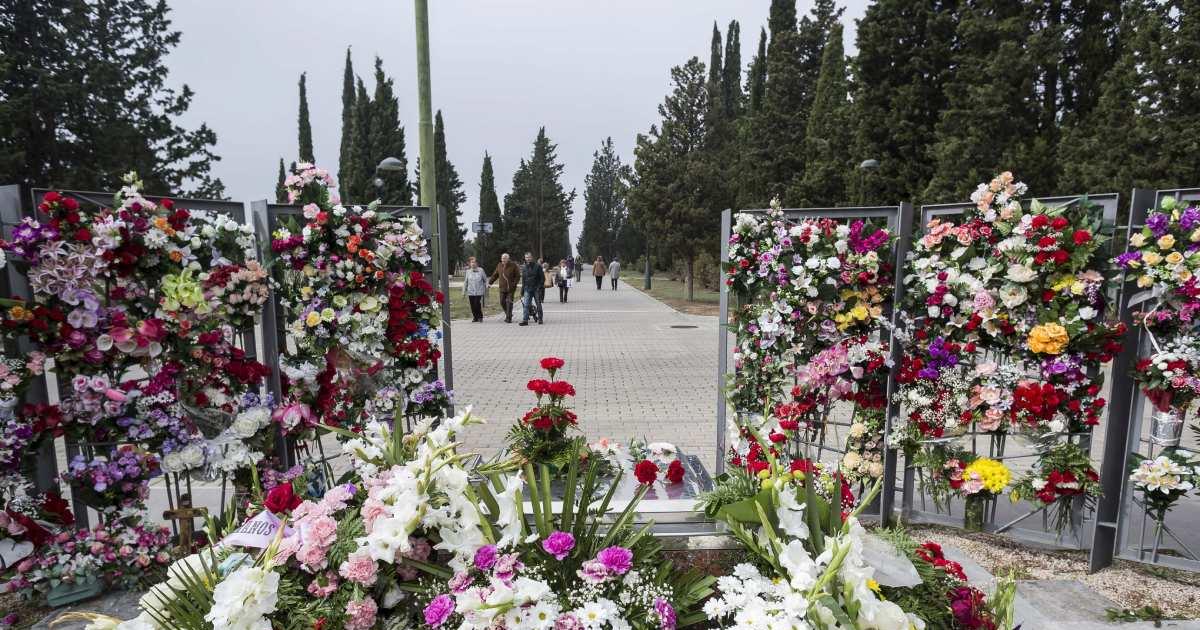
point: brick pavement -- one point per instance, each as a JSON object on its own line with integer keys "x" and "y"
{"x": 634, "y": 375}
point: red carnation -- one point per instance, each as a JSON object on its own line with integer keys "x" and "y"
{"x": 560, "y": 389}
{"x": 675, "y": 472}
{"x": 646, "y": 471}
{"x": 552, "y": 363}
{"x": 281, "y": 499}
{"x": 1040, "y": 221}
{"x": 1059, "y": 223}
{"x": 1082, "y": 237}
{"x": 539, "y": 386}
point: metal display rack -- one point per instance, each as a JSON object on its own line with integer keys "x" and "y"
{"x": 1006, "y": 519}
{"x": 899, "y": 220}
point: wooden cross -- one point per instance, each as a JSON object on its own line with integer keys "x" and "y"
{"x": 184, "y": 514}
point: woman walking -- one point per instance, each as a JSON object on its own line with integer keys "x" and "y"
{"x": 563, "y": 279}
{"x": 598, "y": 270}
{"x": 547, "y": 282}
{"x": 475, "y": 286}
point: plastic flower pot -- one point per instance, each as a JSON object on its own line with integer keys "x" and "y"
{"x": 1166, "y": 427}
{"x": 974, "y": 513}
{"x": 68, "y": 593}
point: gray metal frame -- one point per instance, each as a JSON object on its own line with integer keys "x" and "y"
{"x": 1109, "y": 204}
{"x": 900, "y": 222}
{"x": 266, "y": 218}
{"x": 1120, "y": 512}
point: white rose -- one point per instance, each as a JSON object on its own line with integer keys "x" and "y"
{"x": 833, "y": 263}
{"x": 1020, "y": 273}
{"x": 193, "y": 456}
{"x": 1087, "y": 313}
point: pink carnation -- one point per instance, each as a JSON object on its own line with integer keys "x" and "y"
{"x": 359, "y": 568}
{"x": 321, "y": 531}
{"x": 312, "y": 556}
{"x": 371, "y": 510}
{"x": 361, "y": 614}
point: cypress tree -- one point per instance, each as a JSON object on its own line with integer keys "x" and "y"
{"x": 901, "y": 71}
{"x": 811, "y": 34}
{"x": 362, "y": 187}
{"x": 1180, "y": 108}
{"x": 346, "y": 165}
{"x": 386, "y": 139}
{"x": 306, "y": 143}
{"x": 1095, "y": 150}
{"x": 488, "y": 245}
{"x": 756, "y": 76}
{"x": 731, "y": 72}
{"x": 1091, "y": 29}
{"x": 537, "y": 212}
{"x": 714, "y": 59}
{"x": 280, "y": 190}
{"x": 450, "y": 194}
{"x": 828, "y": 137}
{"x": 776, "y": 151}
{"x": 605, "y": 212}
{"x": 992, "y": 117}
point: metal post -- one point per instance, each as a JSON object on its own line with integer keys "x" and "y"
{"x": 425, "y": 103}
{"x": 261, "y": 218}
{"x": 444, "y": 278}
{"x": 647, "y": 283}
{"x": 1118, "y": 440}
{"x": 904, "y": 228}
{"x": 723, "y": 343}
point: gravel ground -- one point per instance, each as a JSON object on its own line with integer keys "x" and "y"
{"x": 1129, "y": 584}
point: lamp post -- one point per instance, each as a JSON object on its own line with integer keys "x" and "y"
{"x": 386, "y": 165}
{"x": 425, "y": 128}
{"x": 867, "y": 166}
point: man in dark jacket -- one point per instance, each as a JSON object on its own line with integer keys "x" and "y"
{"x": 532, "y": 279}
{"x": 509, "y": 274}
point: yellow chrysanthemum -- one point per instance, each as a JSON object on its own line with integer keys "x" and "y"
{"x": 1048, "y": 339}
{"x": 994, "y": 475}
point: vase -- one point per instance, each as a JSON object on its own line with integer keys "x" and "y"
{"x": 70, "y": 592}
{"x": 974, "y": 513}
{"x": 1166, "y": 427}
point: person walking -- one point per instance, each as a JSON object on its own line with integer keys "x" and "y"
{"x": 547, "y": 282}
{"x": 475, "y": 286}
{"x": 578, "y": 268}
{"x": 614, "y": 272}
{"x": 570, "y": 265}
{"x": 532, "y": 278}
{"x": 598, "y": 270}
{"x": 507, "y": 274}
{"x": 563, "y": 279}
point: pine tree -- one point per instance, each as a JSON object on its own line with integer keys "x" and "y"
{"x": 488, "y": 245}
{"x": 450, "y": 194}
{"x": 386, "y": 139}
{"x": 666, "y": 201}
{"x": 537, "y": 213}
{"x": 67, "y": 118}
{"x": 605, "y": 212}
{"x": 306, "y": 142}
{"x": 901, "y": 71}
{"x": 992, "y": 117}
{"x": 828, "y": 137}
{"x": 347, "y": 170}
{"x": 280, "y": 189}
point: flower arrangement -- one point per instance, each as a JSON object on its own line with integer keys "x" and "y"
{"x": 1163, "y": 257}
{"x": 124, "y": 557}
{"x": 361, "y": 311}
{"x": 1164, "y": 479}
{"x": 985, "y": 477}
{"x": 547, "y": 432}
{"x": 1170, "y": 376}
{"x": 119, "y": 484}
{"x": 804, "y": 285}
{"x": 1063, "y": 473}
{"x": 945, "y": 598}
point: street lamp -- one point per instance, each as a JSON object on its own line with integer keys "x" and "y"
{"x": 387, "y": 165}
{"x": 867, "y": 166}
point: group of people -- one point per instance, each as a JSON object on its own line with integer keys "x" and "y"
{"x": 533, "y": 277}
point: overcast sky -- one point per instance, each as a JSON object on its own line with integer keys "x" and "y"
{"x": 586, "y": 69}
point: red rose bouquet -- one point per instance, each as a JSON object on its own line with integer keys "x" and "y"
{"x": 1062, "y": 481}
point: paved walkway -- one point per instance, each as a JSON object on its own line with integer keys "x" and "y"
{"x": 634, "y": 374}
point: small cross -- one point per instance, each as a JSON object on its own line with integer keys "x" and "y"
{"x": 184, "y": 514}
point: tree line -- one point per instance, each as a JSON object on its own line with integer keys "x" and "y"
{"x": 1073, "y": 95}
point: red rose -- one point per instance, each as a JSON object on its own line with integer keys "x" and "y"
{"x": 1081, "y": 237}
{"x": 1040, "y": 221}
{"x": 552, "y": 363}
{"x": 281, "y": 499}
{"x": 675, "y": 472}
{"x": 646, "y": 471}
{"x": 1059, "y": 223}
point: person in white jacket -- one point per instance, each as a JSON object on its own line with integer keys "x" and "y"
{"x": 614, "y": 272}
{"x": 475, "y": 286}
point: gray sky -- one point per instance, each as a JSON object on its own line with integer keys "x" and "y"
{"x": 585, "y": 69}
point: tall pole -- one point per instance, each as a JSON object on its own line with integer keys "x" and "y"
{"x": 425, "y": 102}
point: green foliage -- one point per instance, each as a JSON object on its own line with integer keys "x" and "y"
{"x": 731, "y": 486}
{"x": 488, "y": 245}
{"x": 347, "y": 167}
{"x": 930, "y": 596}
{"x": 605, "y": 214}
{"x": 84, "y": 99}
{"x": 385, "y": 138}
{"x": 537, "y": 212}
{"x": 828, "y": 137}
{"x": 280, "y": 189}
{"x": 305, "y": 133}
{"x": 450, "y": 194}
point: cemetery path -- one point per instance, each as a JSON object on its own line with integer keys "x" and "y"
{"x": 640, "y": 369}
